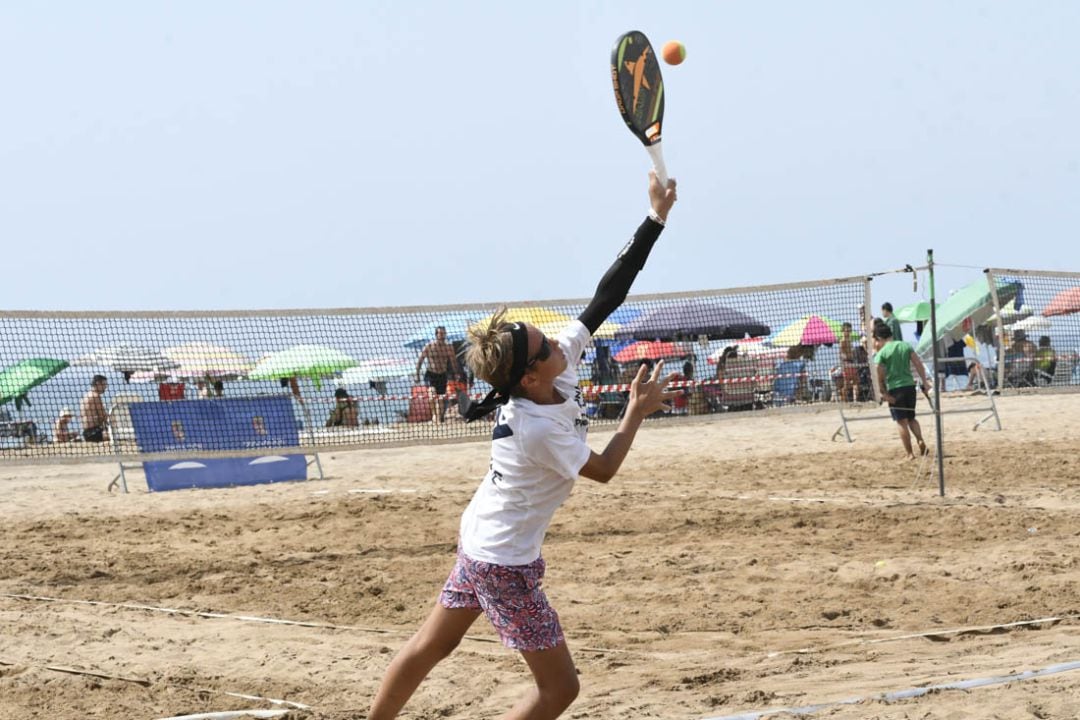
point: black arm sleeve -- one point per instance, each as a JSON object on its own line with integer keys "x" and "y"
{"x": 616, "y": 282}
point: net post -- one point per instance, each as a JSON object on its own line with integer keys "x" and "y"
{"x": 311, "y": 435}
{"x": 937, "y": 383}
{"x": 1000, "y": 349}
{"x": 989, "y": 396}
{"x": 868, "y": 328}
{"x": 121, "y": 479}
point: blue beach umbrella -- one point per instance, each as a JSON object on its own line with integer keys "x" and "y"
{"x": 456, "y": 324}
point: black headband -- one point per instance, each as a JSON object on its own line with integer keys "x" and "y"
{"x": 473, "y": 410}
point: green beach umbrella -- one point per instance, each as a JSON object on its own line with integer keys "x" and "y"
{"x": 18, "y": 379}
{"x": 973, "y": 301}
{"x": 915, "y": 312}
{"x": 311, "y": 361}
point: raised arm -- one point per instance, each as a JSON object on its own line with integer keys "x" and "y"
{"x": 616, "y": 282}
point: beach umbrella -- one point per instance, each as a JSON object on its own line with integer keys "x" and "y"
{"x": 549, "y": 322}
{"x": 1009, "y": 314}
{"x": 915, "y": 312}
{"x": 128, "y": 359}
{"x": 690, "y": 318}
{"x": 751, "y": 347}
{"x": 1034, "y": 325}
{"x": 972, "y": 302}
{"x": 621, "y": 316}
{"x": 310, "y": 361}
{"x": 809, "y": 330}
{"x": 648, "y": 350}
{"x": 1065, "y": 302}
{"x": 24, "y": 375}
{"x": 198, "y": 360}
{"x": 378, "y": 370}
{"x": 456, "y": 324}
{"x": 613, "y": 346}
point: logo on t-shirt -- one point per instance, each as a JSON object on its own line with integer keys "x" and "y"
{"x": 582, "y": 420}
{"x": 502, "y": 428}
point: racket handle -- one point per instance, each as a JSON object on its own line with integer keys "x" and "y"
{"x": 657, "y": 155}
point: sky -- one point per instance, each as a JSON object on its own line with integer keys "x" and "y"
{"x": 247, "y": 155}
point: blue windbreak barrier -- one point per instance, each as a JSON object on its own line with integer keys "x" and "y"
{"x": 218, "y": 424}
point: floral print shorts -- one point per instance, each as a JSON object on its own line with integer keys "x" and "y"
{"x": 512, "y": 598}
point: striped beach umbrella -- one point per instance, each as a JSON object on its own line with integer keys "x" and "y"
{"x": 809, "y": 330}
{"x": 199, "y": 360}
{"x": 548, "y": 321}
{"x": 128, "y": 359}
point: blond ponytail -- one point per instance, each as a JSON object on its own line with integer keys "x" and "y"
{"x": 490, "y": 354}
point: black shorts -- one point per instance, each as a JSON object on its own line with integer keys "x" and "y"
{"x": 437, "y": 381}
{"x": 903, "y": 405}
{"x": 94, "y": 434}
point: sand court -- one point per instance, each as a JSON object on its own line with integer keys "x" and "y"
{"x": 738, "y": 563}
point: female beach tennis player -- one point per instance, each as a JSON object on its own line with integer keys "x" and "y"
{"x": 538, "y": 449}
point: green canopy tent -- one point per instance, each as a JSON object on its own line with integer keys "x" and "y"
{"x": 17, "y": 380}
{"x": 973, "y": 301}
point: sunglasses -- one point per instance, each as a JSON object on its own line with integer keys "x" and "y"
{"x": 542, "y": 354}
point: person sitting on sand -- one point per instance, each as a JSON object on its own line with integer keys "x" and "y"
{"x": 62, "y": 431}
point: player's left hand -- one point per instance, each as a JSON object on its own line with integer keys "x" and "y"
{"x": 660, "y": 197}
{"x": 649, "y": 393}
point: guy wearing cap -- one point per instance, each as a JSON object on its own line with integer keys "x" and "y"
{"x": 62, "y": 431}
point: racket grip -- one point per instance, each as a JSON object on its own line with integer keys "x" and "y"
{"x": 657, "y": 155}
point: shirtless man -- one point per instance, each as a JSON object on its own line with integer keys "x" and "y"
{"x": 440, "y": 358}
{"x": 92, "y": 409}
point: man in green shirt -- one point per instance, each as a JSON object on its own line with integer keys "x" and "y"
{"x": 894, "y": 360}
{"x": 891, "y": 321}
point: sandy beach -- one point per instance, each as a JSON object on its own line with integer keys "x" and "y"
{"x": 738, "y": 563}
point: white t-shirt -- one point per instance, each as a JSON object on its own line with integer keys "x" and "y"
{"x": 537, "y": 452}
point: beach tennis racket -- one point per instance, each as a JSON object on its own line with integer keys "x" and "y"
{"x": 639, "y": 93}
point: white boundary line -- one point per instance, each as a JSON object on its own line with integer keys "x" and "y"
{"x": 753, "y": 715}
{"x": 934, "y": 503}
{"x": 907, "y": 693}
{"x": 231, "y": 714}
{"x": 277, "y": 621}
{"x": 383, "y": 631}
{"x": 927, "y": 634}
{"x": 146, "y": 682}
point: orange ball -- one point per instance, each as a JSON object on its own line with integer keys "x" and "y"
{"x": 674, "y": 52}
